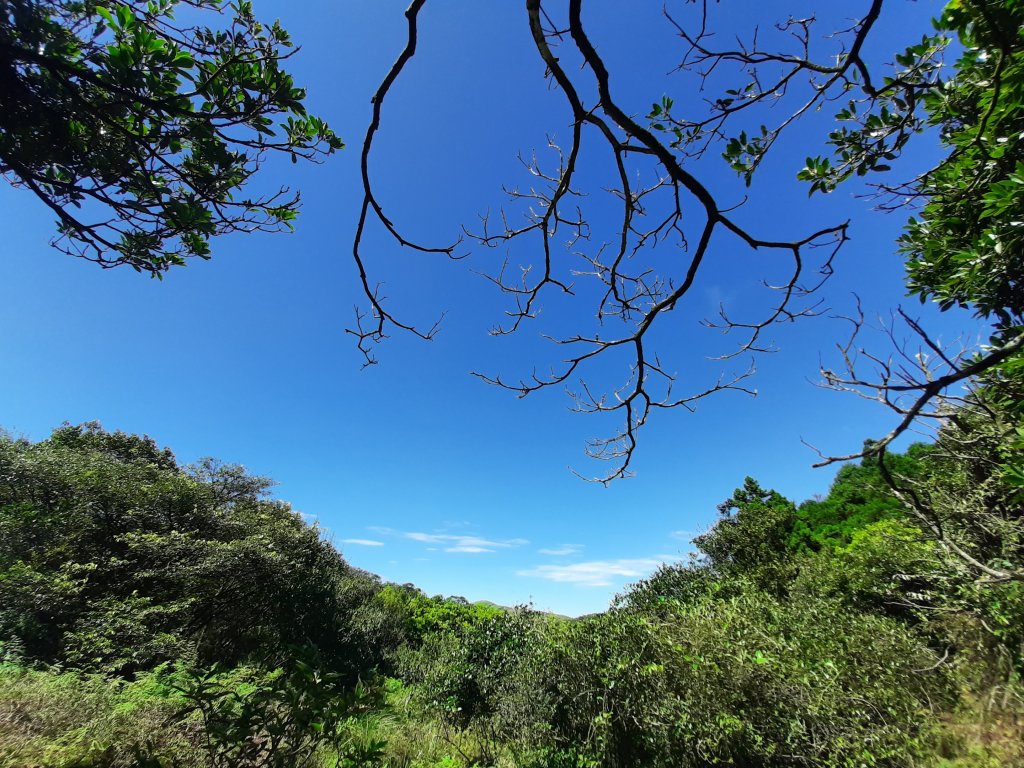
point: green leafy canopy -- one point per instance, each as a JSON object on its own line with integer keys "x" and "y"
{"x": 140, "y": 132}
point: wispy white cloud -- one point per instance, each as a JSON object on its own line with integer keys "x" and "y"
{"x": 598, "y": 573}
{"x": 684, "y": 535}
{"x": 363, "y": 542}
{"x": 565, "y": 549}
{"x": 451, "y": 542}
{"x": 718, "y": 298}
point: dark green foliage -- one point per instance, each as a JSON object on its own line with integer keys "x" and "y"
{"x": 834, "y": 633}
{"x": 748, "y": 680}
{"x": 966, "y": 491}
{"x": 750, "y": 542}
{"x": 139, "y": 130}
{"x": 763, "y": 648}
{"x": 965, "y": 247}
{"x": 859, "y": 496}
{"x": 291, "y": 717}
{"x": 113, "y": 557}
{"x": 760, "y": 537}
{"x": 485, "y": 676}
{"x": 751, "y": 535}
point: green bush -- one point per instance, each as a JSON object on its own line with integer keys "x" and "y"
{"x": 290, "y": 717}
{"x": 749, "y": 680}
{"x": 113, "y": 558}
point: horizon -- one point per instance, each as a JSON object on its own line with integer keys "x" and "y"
{"x": 420, "y": 472}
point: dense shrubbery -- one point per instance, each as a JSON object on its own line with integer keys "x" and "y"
{"x": 113, "y": 558}
{"x": 748, "y": 680}
{"x": 834, "y": 633}
{"x": 206, "y": 623}
{"x": 750, "y": 656}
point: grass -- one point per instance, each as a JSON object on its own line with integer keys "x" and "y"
{"x": 63, "y": 719}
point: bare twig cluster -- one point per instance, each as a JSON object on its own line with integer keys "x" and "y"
{"x": 660, "y": 202}
{"x": 913, "y": 380}
{"x": 963, "y": 503}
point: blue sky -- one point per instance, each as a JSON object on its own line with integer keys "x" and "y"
{"x": 418, "y": 471}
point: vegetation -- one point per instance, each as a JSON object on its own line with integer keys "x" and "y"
{"x": 741, "y": 95}
{"x": 153, "y": 614}
{"x": 116, "y": 559}
{"x": 137, "y": 131}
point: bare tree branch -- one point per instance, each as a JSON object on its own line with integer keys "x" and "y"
{"x": 380, "y": 317}
{"x": 660, "y": 202}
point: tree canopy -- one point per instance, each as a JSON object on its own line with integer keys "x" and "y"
{"x": 114, "y": 557}
{"x": 140, "y": 131}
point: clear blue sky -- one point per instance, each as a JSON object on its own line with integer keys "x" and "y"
{"x": 417, "y": 471}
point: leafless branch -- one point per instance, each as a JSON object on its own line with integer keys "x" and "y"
{"x": 914, "y": 383}
{"x": 375, "y": 330}
{"x": 626, "y": 283}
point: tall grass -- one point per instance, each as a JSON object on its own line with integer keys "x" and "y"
{"x": 64, "y": 719}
